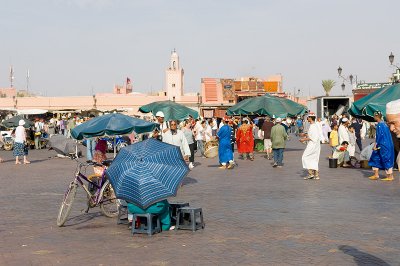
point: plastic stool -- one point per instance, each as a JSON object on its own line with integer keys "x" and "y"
{"x": 122, "y": 217}
{"x": 174, "y": 209}
{"x": 192, "y": 223}
{"x": 149, "y": 224}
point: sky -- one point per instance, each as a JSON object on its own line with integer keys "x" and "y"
{"x": 81, "y": 47}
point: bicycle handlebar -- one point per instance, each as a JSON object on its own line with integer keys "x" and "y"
{"x": 94, "y": 163}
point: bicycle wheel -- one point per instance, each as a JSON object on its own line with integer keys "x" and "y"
{"x": 109, "y": 203}
{"x": 66, "y": 204}
{"x": 8, "y": 147}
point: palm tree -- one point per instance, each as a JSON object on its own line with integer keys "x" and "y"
{"x": 328, "y": 85}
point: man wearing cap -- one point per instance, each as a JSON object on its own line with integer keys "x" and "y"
{"x": 163, "y": 126}
{"x": 343, "y": 131}
{"x": 310, "y": 158}
{"x": 383, "y": 152}
{"x": 267, "y": 127}
{"x": 19, "y": 140}
{"x": 393, "y": 119}
{"x": 278, "y": 139}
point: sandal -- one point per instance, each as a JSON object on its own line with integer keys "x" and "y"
{"x": 18, "y": 163}
{"x": 27, "y": 162}
{"x": 388, "y": 178}
{"x": 373, "y": 177}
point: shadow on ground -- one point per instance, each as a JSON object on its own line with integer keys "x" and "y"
{"x": 82, "y": 218}
{"x": 188, "y": 180}
{"x": 362, "y": 258}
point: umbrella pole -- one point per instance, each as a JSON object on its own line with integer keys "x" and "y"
{"x": 115, "y": 146}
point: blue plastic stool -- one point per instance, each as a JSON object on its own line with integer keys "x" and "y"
{"x": 149, "y": 224}
{"x": 122, "y": 217}
{"x": 194, "y": 222}
{"x": 175, "y": 206}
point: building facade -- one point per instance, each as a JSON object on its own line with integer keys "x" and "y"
{"x": 218, "y": 94}
{"x": 365, "y": 89}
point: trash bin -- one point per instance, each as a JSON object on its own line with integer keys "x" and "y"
{"x": 332, "y": 162}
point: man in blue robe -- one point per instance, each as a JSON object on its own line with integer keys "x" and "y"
{"x": 383, "y": 152}
{"x": 225, "y": 152}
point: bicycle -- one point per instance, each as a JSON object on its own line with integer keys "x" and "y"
{"x": 103, "y": 195}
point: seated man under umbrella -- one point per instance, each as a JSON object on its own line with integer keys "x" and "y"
{"x": 145, "y": 174}
{"x": 161, "y": 208}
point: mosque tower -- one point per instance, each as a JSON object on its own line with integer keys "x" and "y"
{"x": 174, "y": 78}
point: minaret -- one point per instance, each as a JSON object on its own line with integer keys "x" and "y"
{"x": 174, "y": 78}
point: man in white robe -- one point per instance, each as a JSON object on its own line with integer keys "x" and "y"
{"x": 320, "y": 131}
{"x": 311, "y": 154}
{"x": 325, "y": 130}
{"x": 393, "y": 119}
{"x": 343, "y": 131}
{"x": 176, "y": 137}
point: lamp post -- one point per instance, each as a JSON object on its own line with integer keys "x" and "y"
{"x": 396, "y": 76}
{"x": 349, "y": 79}
{"x": 94, "y": 101}
{"x": 198, "y": 101}
{"x": 295, "y": 94}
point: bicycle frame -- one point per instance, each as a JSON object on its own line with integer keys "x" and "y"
{"x": 103, "y": 190}
{"x": 79, "y": 176}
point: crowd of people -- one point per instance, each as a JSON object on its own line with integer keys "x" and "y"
{"x": 343, "y": 134}
{"x": 39, "y": 132}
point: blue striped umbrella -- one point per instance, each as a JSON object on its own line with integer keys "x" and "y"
{"x": 147, "y": 172}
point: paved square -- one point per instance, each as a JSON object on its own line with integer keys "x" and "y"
{"x": 254, "y": 215}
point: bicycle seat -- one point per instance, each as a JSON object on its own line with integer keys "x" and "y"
{"x": 107, "y": 162}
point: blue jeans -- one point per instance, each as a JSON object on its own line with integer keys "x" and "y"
{"x": 90, "y": 145}
{"x": 200, "y": 147}
{"x": 278, "y": 156}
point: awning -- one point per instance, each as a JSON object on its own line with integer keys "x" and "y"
{"x": 32, "y": 111}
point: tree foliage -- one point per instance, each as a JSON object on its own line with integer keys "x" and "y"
{"x": 328, "y": 84}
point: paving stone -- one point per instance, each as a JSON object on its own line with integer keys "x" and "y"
{"x": 254, "y": 215}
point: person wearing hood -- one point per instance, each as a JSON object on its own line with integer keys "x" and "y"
{"x": 19, "y": 143}
{"x": 245, "y": 140}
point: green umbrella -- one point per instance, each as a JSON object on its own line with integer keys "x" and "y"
{"x": 376, "y": 101}
{"x": 171, "y": 110}
{"x": 111, "y": 125}
{"x": 267, "y": 105}
{"x": 13, "y": 122}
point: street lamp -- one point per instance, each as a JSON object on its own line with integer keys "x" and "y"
{"x": 198, "y": 101}
{"x": 396, "y": 76}
{"x": 391, "y": 58}
{"x": 349, "y": 79}
{"x": 94, "y": 101}
{"x": 295, "y": 94}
